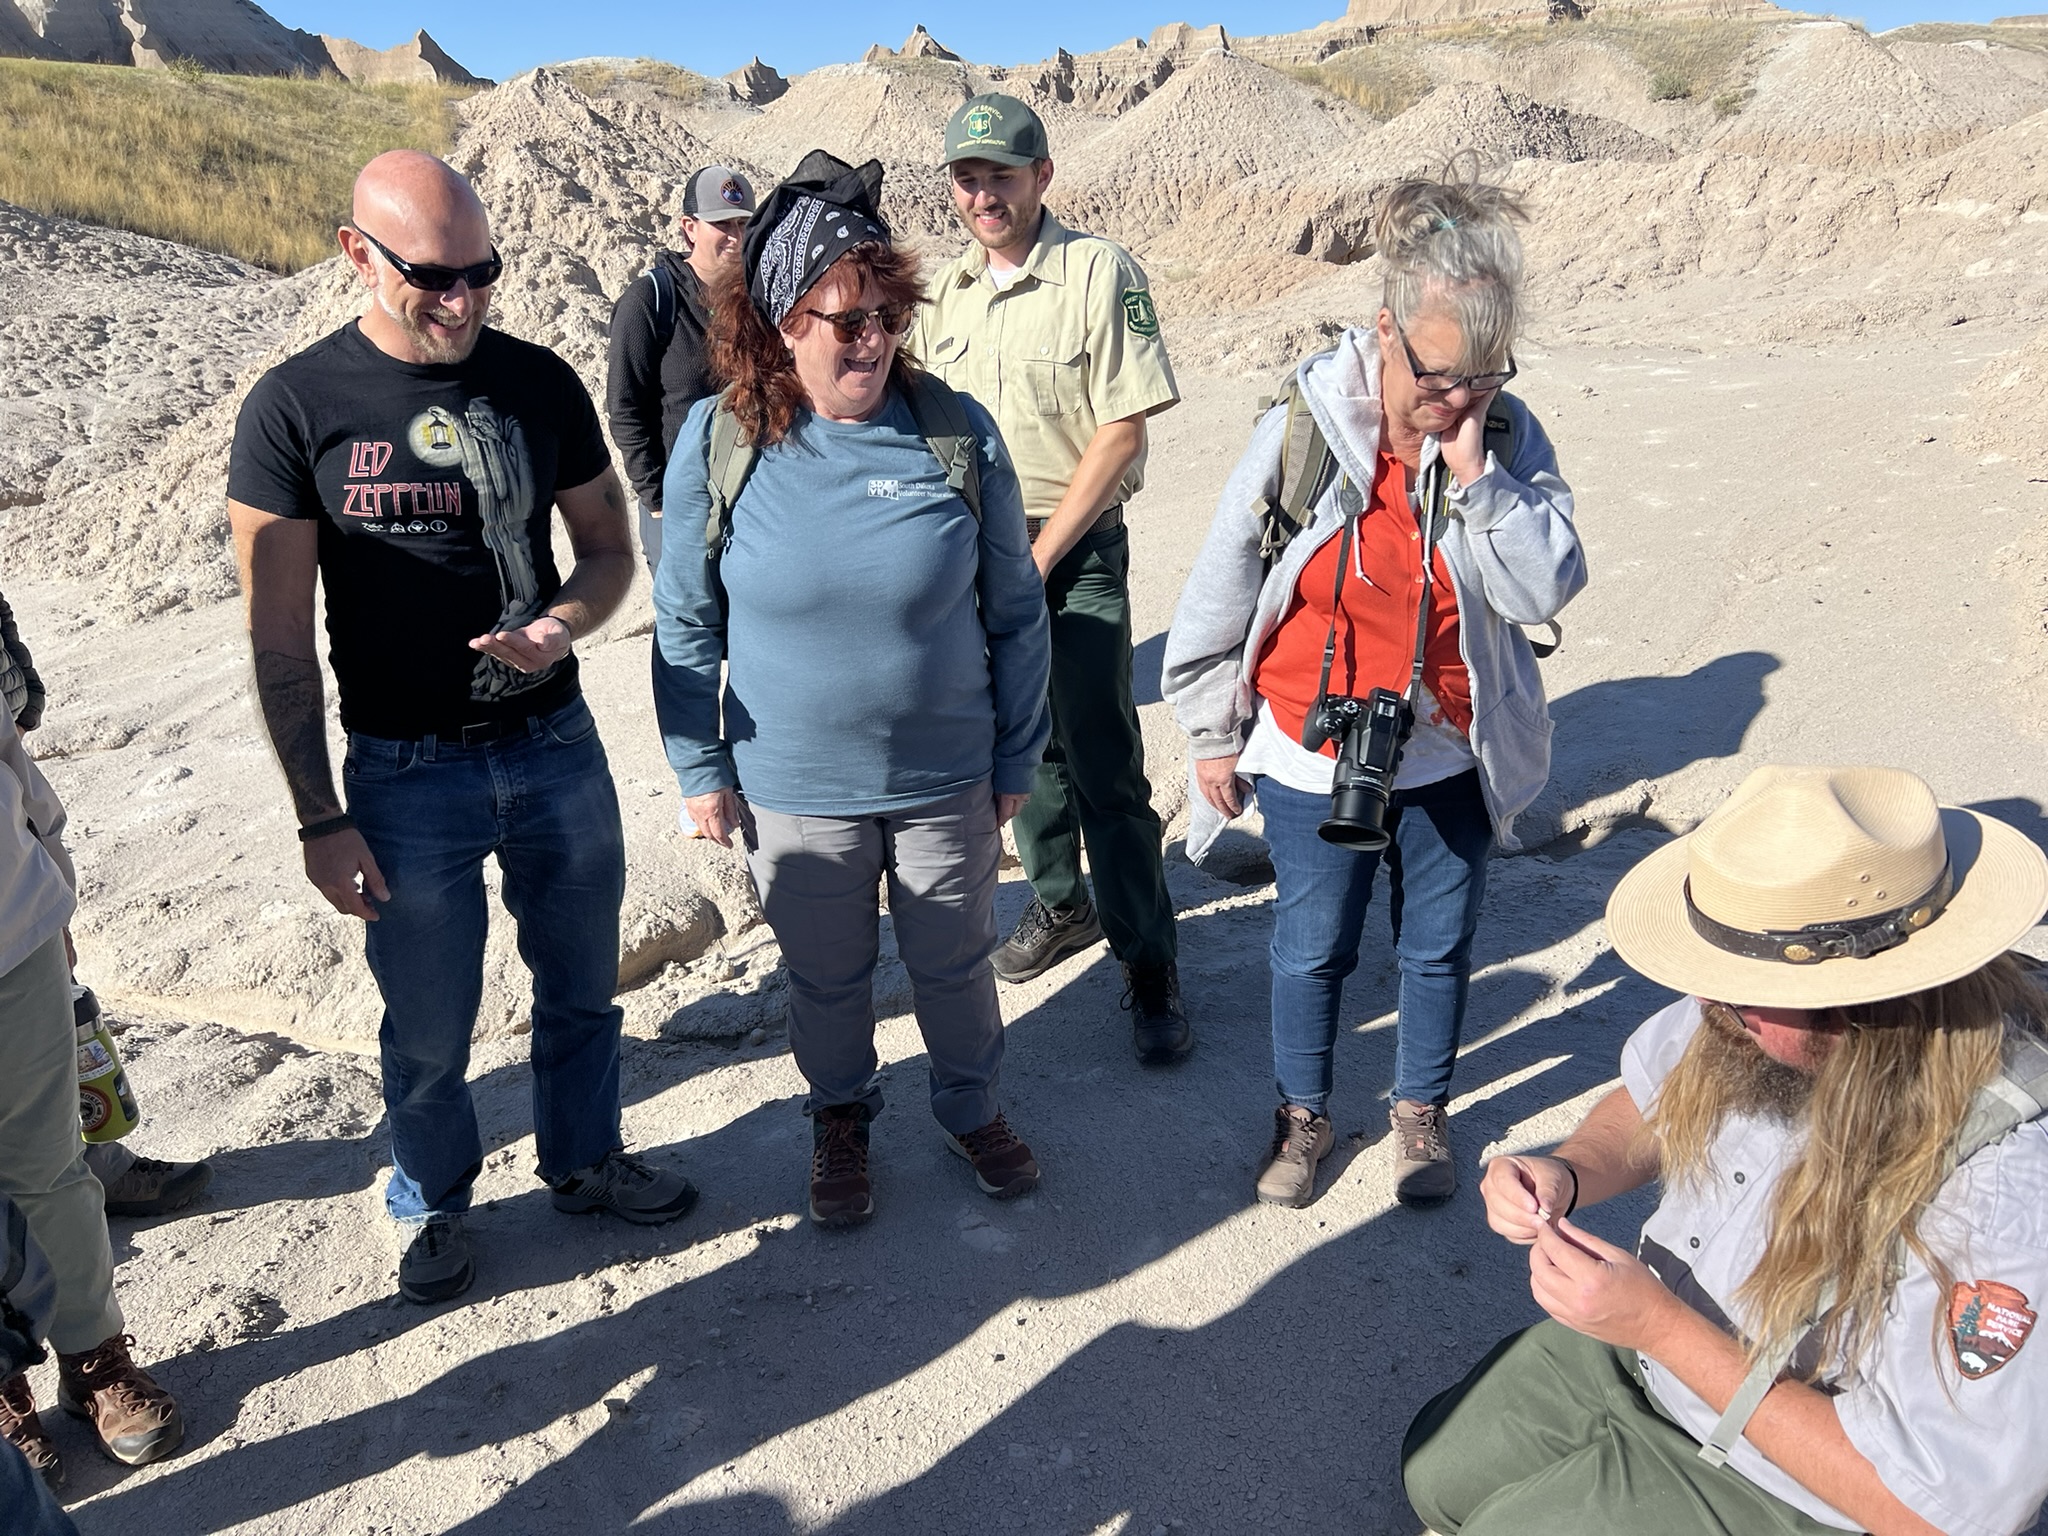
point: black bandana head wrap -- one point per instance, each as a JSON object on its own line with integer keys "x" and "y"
{"x": 824, "y": 210}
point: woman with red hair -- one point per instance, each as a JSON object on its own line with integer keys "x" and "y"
{"x": 850, "y": 670}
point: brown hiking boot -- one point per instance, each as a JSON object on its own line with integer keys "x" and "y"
{"x": 841, "y": 1195}
{"x": 136, "y": 1420}
{"x": 145, "y": 1186}
{"x": 1301, "y": 1139}
{"x": 21, "y": 1428}
{"x": 1423, "y": 1171}
{"x": 1003, "y": 1165}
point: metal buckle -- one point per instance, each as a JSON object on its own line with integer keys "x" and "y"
{"x": 1856, "y": 939}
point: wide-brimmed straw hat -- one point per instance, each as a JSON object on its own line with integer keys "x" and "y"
{"x": 1828, "y": 887}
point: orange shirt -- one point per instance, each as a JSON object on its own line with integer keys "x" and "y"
{"x": 1376, "y": 632}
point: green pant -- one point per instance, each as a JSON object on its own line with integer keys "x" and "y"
{"x": 1552, "y": 1435}
{"x": 42, "y": 1161}
{"x": 1091, "y": 785}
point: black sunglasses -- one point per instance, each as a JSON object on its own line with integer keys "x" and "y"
{"x": 437, "y": 279}
{"x": 1443, "y": 383}
{"x": 852, "y": 324}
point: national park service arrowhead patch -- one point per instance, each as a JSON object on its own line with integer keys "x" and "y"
{"x": 1139, "y": 314}
{"x": 1987, "y": 1324}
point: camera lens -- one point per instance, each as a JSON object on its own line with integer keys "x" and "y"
{"x": 1358, "y": 818}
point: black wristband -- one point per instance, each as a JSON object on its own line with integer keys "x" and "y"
{"x": 1568, "y": 1168}
{"x": 327, "y": 828}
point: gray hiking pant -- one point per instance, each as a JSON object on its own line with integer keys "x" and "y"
{"x": 819, "y": 880}
{"x": 42, "y": 1160}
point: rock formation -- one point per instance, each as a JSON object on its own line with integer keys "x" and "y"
{"x": 757, "y": 83}
{"x": 229, "y": 37}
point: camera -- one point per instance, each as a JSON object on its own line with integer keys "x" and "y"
{"x": 1369, "y": 733}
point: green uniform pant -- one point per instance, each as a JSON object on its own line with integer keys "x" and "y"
{"x": 42, "y": 1161}
{"x": 1552, "y": 1435}
{"x": 1091, "y": 785}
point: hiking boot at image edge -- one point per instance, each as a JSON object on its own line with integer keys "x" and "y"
{"x": 1043, "y": 937}
{"x": 1423, "y": 1171}
{"x": 842, "y": 1194}
{"x": 436, "y": 1265}
{"x": 135, "y": 1420}
{"x": 148, "y": 1186}
{"x": 1301, "y": 1140}
{"x": 628, "y": 1187}
{"x": 22, "y": 1428}
{"x": 1160, "y": 1032}
{"x": 1003, "y": 1165}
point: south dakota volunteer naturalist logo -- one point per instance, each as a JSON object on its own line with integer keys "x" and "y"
{"x": 1139, "y": 314}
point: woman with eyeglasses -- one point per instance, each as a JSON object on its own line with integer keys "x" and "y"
{"x": 864, "y": 580}
{"x": 1365, "y": 676}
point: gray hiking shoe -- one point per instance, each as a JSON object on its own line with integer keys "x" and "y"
{"x": 1423, "y": 1171}
{"x": 436, "y": 1265}
{"x": 145, "y": 1186}
{"x": 629, "y": 1187}
{"x": 1301, "y": 1140}
{"x": 1043, "y": 937}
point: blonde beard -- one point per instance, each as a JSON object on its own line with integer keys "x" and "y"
{"x": 437, "y": 349}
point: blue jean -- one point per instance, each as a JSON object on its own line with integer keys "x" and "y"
{"x": 541, "y": 799}
{"x": 1436, "y": 868}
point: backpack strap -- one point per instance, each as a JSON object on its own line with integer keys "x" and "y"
{"x": 2018, "y": 1094}
{"x": 728, "y": 460}
{"x": 942, "y": 422}
{"x": 1306, "y": 465}
{"x": 664, "y": 314}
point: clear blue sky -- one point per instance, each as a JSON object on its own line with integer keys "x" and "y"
{"x": 503, "y": 37}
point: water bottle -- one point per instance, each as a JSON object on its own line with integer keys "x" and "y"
{"x": 106, "y": 1104}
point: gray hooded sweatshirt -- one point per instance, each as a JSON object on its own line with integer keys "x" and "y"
{"x": 1510, "y": 546}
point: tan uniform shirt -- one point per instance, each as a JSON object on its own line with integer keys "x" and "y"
{"x": 1071, "y": 343}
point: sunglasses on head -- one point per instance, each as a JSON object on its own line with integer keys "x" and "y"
{"x": 437, "y": 279}
{"x": 1432, "y": 383}
{"x": 852, "y": 324}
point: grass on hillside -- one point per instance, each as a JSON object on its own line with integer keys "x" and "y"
{"x": 258, "y": 168}
{"x": 1696, "y": 58}
{"x": 2033, "y": 39}
{"x": 641, "y": 79}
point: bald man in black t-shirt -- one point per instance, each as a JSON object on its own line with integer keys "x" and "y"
{"x": 410, "y": 460}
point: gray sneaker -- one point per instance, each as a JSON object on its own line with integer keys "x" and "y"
{"x": 1043, "y": 937}
{"x": 1301, "y": 1140}
{"x": 436, "y": 1265}
{"x": 145, "y": 1186}
{"x": 1423, "y": 1171}
{"x": 629, "y": 1187}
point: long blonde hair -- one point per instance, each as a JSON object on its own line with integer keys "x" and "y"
{"x": 1887, "y": 1101}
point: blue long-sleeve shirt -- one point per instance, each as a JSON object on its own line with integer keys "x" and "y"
{"x": 881, "y": 649}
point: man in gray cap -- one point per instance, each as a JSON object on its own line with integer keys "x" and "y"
{"x": 660, "y": 359}
{"x": 1054, "y": 332}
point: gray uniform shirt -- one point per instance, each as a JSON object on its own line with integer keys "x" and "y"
{"x": 1950, "y": 1409}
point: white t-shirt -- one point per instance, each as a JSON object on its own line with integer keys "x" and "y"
{"x": 1436, "y": 750}
{"x": 1956, "y": 1435}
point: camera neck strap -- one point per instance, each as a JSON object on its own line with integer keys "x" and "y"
{"x": 1435, "y": 495}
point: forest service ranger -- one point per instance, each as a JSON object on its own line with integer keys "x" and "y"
{"x": 1055, "y": 333}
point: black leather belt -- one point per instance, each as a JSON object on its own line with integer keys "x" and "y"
{"x": 1112, "y": 518}
{"x": 485, "y": 732}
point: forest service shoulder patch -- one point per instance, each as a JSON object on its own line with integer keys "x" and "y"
{"x": 1987, "y": 1324}
{"x": 1139, "y": 314}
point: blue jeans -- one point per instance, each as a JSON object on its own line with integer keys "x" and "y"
{"x": 1436, "y": 865}
{"x": 541, "y": 799}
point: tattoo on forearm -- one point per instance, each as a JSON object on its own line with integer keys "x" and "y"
{"x": 294, "y": 710}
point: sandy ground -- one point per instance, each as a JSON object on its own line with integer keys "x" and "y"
{"x": 1791, "y": 561}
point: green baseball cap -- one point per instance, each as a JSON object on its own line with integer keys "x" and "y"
{"x": 996, "y": 127}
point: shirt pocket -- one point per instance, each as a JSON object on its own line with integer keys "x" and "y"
{"x": 946, "y": 352}
{"x": 1057, "y": 370}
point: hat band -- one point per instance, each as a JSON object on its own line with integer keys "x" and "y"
{"x": 1857, "y": 939}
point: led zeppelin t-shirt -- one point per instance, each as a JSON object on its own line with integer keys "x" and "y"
{"x": 434, "y": 485}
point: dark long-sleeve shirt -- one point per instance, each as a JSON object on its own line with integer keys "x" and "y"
{"x": 18, "y": 678}
{"x": 650, "y": 387}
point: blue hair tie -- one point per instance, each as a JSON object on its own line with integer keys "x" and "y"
{"x": 1446, "y": 222}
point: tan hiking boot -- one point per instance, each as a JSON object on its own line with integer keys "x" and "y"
{"x": 135, "y": 1420}
{"x": 22, "y": 1428}
{"x": 1423, "y": 1171}
{"x": 1003, "y": 1165}
{"x": 1301, "y": 1140}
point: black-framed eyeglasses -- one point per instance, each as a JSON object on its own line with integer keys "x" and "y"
{"x": 433, "y": 278}
{"x": 852, "y": 324}
{"x": 1432, "y": 383}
